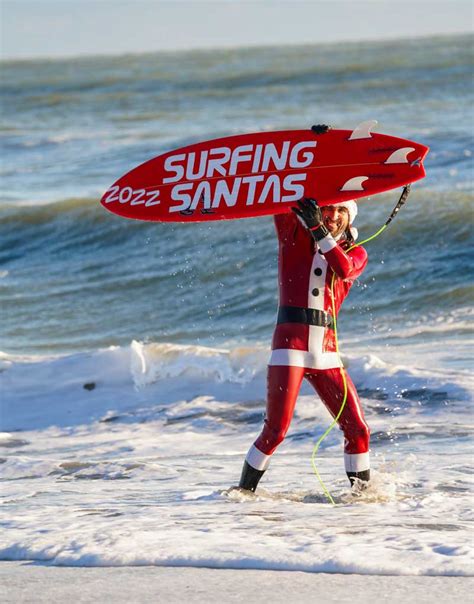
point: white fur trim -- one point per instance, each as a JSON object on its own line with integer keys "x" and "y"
{"x": 357, "y": 462}
{"x": 300, "y": 358}
{"x": 257, "y": 459}
{"x": 350, "y": 206}
{"x": 327, "y": 243}
{"x": 317, "y": 282}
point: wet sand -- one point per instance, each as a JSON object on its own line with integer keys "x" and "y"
{"x": 36, "y": 583}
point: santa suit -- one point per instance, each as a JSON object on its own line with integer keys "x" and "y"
{"x": 304, "y": 344}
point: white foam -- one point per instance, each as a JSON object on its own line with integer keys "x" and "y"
{"x": 39, "y": 391}
{"x": 154, "y": 362}
{"x": 136, "y": 470}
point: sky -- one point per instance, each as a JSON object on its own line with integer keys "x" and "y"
{"x": 55, "y": 28}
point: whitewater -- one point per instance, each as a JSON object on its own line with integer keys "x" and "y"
{"x": 127, "y": 457}
{"x": 133, "y": 363}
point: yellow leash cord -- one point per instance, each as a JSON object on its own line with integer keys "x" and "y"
{"x": 334, "y": 422}
{"x": 343, "y": 375}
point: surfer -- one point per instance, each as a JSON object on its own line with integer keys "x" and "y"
{"x": 314, "y": 243}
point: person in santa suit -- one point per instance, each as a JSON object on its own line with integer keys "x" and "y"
{"x": 314, "y": 244}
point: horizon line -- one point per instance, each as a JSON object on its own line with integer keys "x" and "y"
{"x": 206, "y": 49}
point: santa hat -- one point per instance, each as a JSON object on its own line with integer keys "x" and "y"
{"x": 351, "y": 207}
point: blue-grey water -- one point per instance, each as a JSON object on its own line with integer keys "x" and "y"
{"x": 74, "y": 277}
{"x": 133, "y": 355}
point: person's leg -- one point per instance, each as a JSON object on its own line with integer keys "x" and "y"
{"x": 329, "y": 384}
{"x": 283, "y": 385}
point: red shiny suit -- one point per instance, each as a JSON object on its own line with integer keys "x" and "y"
{"x": 309, "y": 351}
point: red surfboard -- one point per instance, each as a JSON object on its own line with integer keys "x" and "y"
{"x": 264, "y": 173}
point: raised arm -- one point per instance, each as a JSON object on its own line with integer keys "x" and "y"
{"x": 346, "y": 265}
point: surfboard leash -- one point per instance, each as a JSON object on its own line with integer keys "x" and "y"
{"x": 396, "y": 209}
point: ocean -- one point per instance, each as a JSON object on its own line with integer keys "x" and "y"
{"x": 134, "y": 355}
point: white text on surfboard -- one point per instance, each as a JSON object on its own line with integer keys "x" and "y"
{"x": 134, "y": 197}
{"x": 275, "y": 189}
{"x": 223, "y": 161}
{"x": 221, "y": 165}
{"x": 256, "y": 173}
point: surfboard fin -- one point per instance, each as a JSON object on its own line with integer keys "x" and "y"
{"x": 399, "y": 156}
{"x": 354, "y": 184}
{"x": 363, "y": 130}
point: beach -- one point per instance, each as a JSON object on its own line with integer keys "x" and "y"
{"x": 134, "y": 355}
{"x": 23, "y": 582}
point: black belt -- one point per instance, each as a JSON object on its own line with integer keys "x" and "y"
{"x": 307, "y": 316}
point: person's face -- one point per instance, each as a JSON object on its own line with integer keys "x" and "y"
{"x": 335, "y": 219}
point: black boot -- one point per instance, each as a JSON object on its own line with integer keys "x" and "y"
{"x": 364, "y": 476}
{"x": 250, "y": 477}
